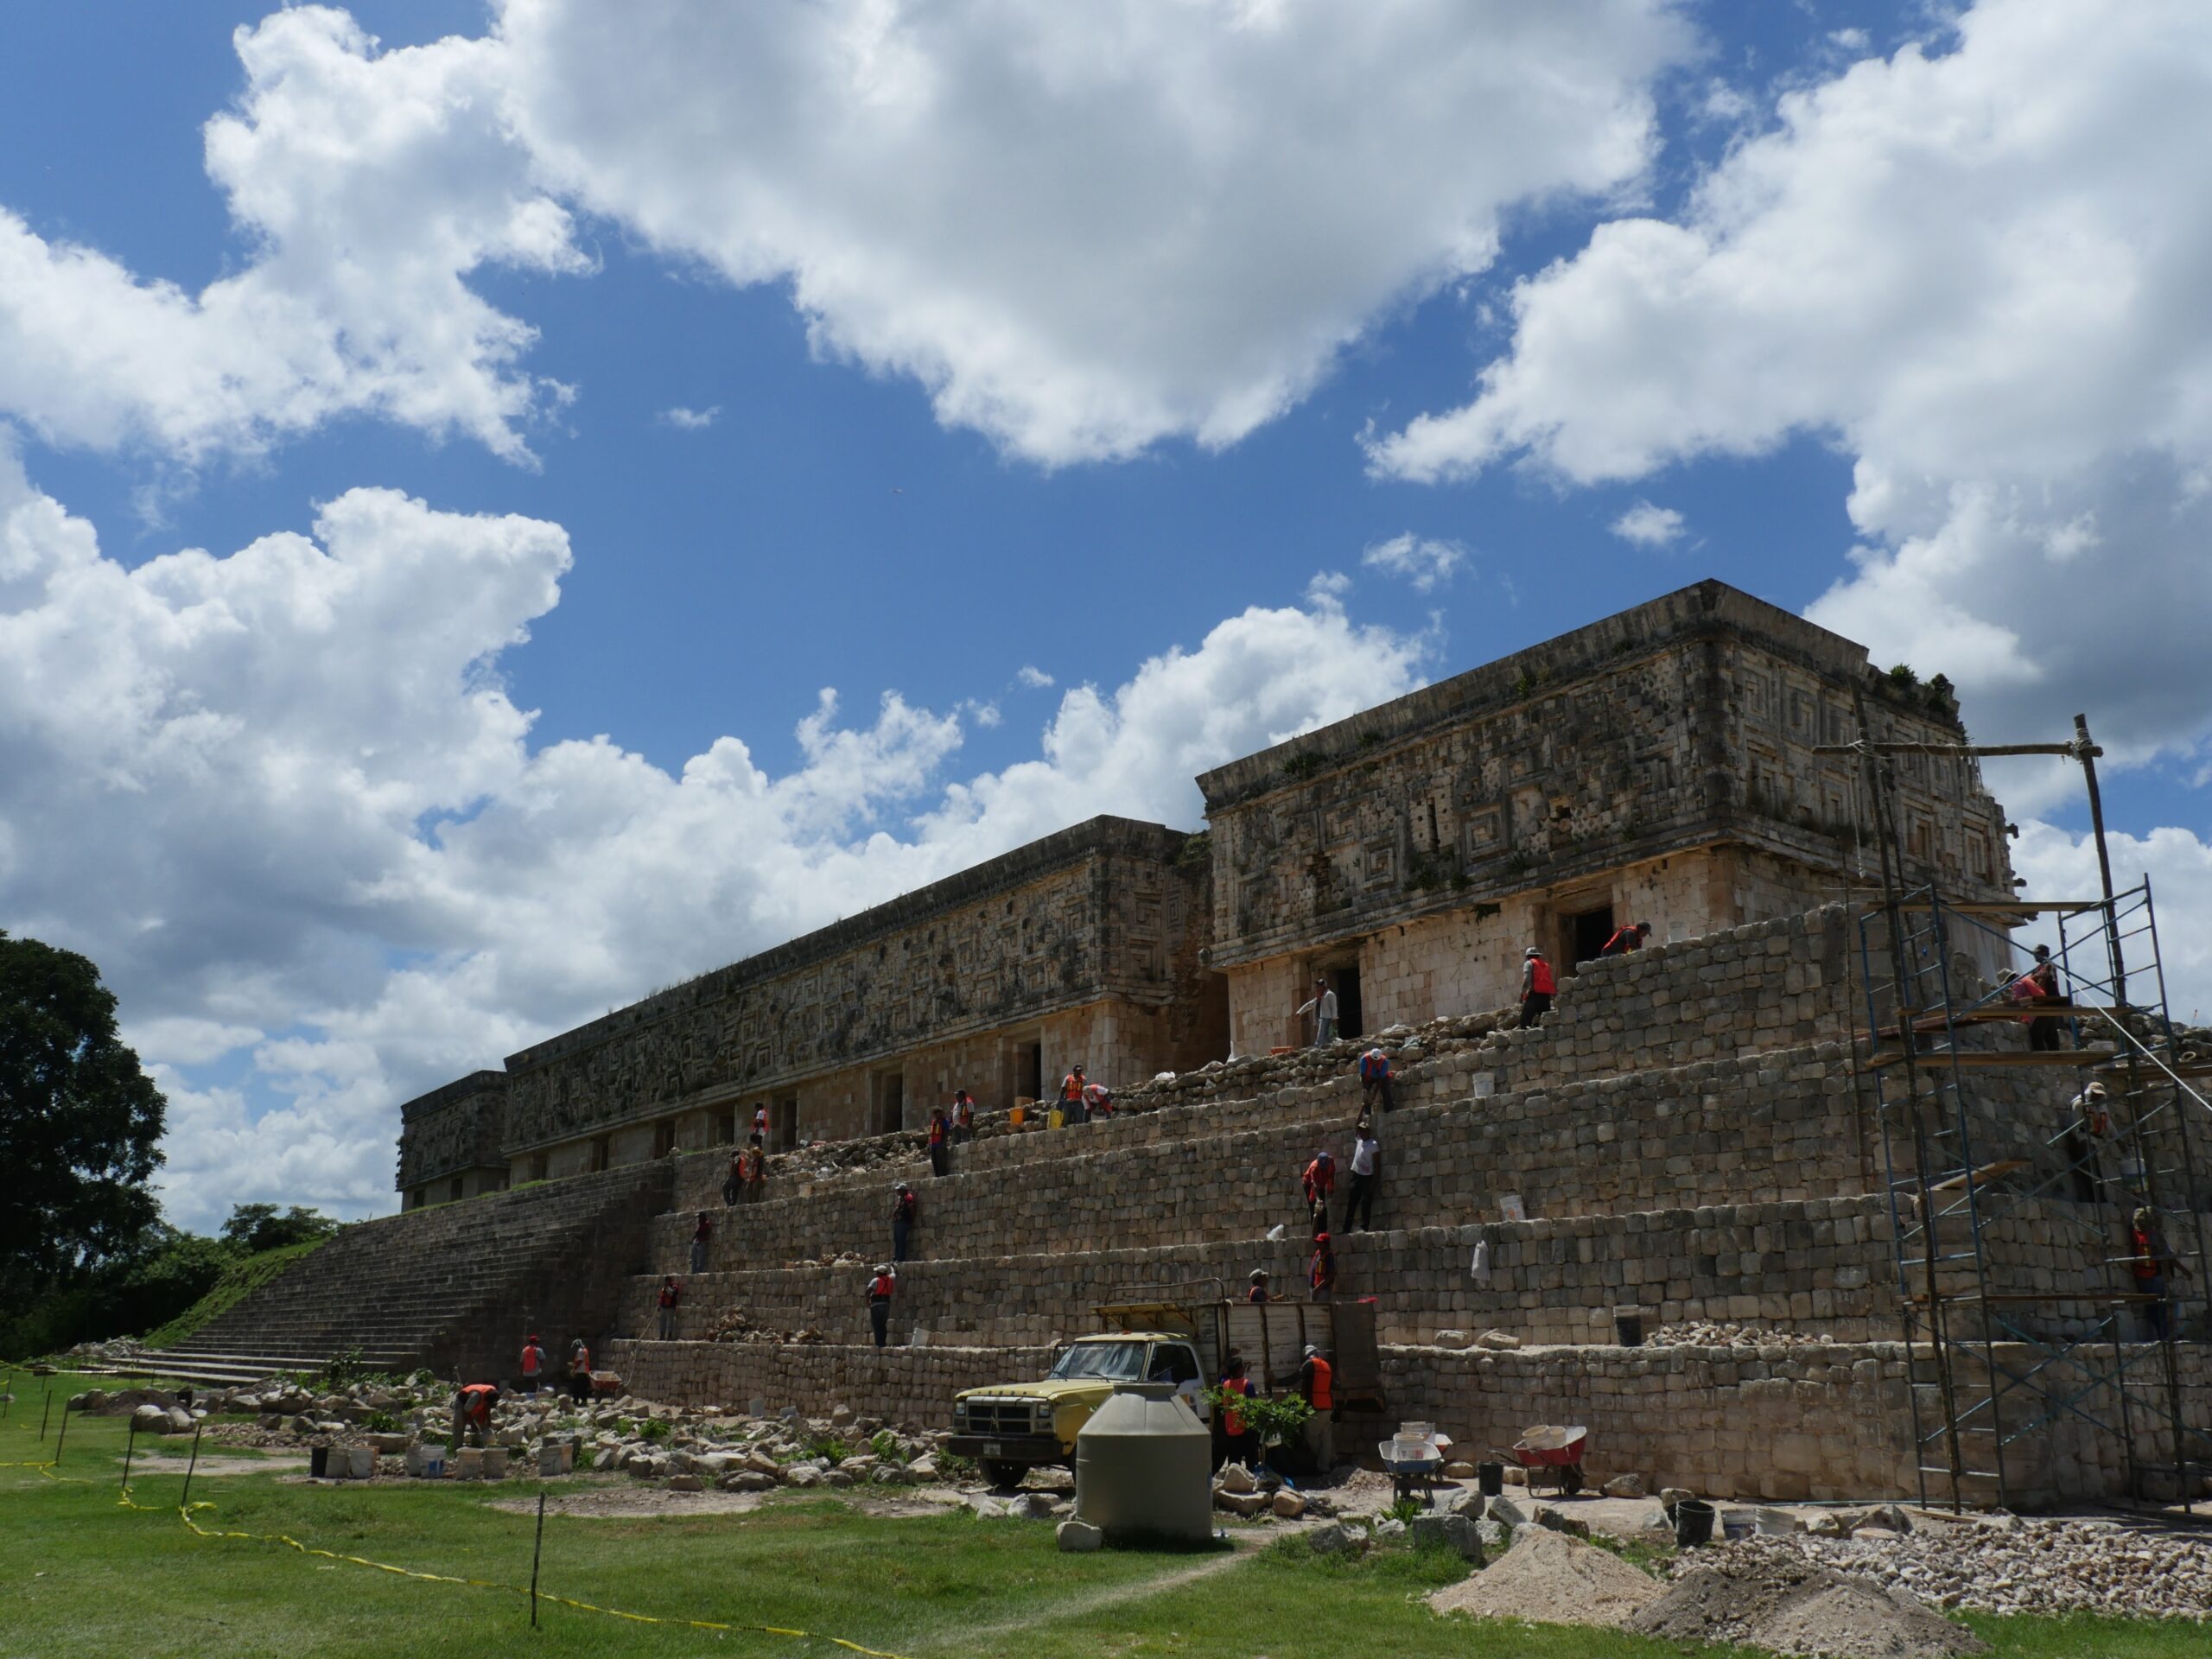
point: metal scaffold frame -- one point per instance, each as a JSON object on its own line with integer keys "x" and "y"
{"x": 2004, "y": 1363}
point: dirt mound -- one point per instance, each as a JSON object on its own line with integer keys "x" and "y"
{"x": 1799, "y": 1608}
{"x": 1551, "y": 1579}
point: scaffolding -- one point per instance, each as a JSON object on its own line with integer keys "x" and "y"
{"x": 2001, "y": 1353}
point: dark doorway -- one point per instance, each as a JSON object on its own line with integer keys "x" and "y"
{"x": 1031, "y": 1081}
{"x": 602, "y": 1152}
{"x": 664, "y": 1137}
{"x": 1347, "y": 984}
{"x": 890, "y": 1103}
{"x": 783, "y": 1125}
{"x": 1591, "y": 929}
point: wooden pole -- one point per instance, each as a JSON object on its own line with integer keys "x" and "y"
{"x": 59, "y": 1438}
{"x": 190, "y": 1466}
{"x": 128, "y": 1446}
{"x": 45, "y": 1413}
{"x": 536, "y": 1551}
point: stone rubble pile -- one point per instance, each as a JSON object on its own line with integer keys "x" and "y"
{"x": 736, "y": 1325}
{"x": 2009, "y": 1565}
{"x": 1702, "y": 1334}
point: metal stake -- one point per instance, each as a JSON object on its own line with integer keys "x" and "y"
{"x": 63, "y": 1435}
{"x": 190, "y": 1466}
{"x": 128, "y": 1446}
{"x": 46, "y": 1413}
{"x": 537, "y": 1550}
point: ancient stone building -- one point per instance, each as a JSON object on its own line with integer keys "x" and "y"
{"x": 1081, "y": 948}
{"x": 1655, "y": 766}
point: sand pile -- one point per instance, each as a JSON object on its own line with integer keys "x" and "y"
{"x": 1794, "y": 1606}
{"x": 1551, "y": 1579}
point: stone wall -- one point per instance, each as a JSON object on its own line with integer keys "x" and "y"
{"x": 1777, "y": 1423}
{"x": 1085, "y": 946}
{"x": 1659, "y": 762}
{"x": 452, "y": 1134}
{"x": 907, "y": 1385}
{"x": 1817, "y": 1267}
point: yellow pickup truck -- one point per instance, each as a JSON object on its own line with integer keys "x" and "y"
{"x": 1011, "y": 1428}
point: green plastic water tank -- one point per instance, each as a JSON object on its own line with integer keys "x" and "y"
{"x": 1144, "y": 1467}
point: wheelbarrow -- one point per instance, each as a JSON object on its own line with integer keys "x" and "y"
{"x": 1552, "y": 1457}
{"x": 1413, "y": 1466}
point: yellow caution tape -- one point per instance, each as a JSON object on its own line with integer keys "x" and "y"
{"x": 184, "y": 1514}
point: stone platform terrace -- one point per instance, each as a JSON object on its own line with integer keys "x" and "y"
{"x": 1685, "y": 1130}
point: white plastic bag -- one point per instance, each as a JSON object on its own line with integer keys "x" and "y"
{"x": 1479, "y": 1268}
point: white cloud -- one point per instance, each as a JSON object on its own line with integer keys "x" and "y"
{"x": 1034, "y": 678}
{"x": 1981, "y": 273}
{"x": 1082, "y": 230}
{"x": 367, "y": 190}
{"x": 690, "y": 420}
{"x": 1420, "y": 560}
{"x": 1649, "y": 526}
{"x": 2179, "y": 866}
{"x": 287, "y": 807}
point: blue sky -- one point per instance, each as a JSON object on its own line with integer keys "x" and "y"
{"x": 999, "y": 348}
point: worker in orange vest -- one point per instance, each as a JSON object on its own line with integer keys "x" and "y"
{"x": 881, "y": 1289}
{"x": 1259, "y": 1291}
{"x": 1319, "y": 1180}
{"x": 2151, "y": 1260}
{"x": 1537, "y": 986}
{"x": 1322, "y": 1272}
{"x": 1235, "y": 1444}
{"x": 2039, "y": 986}
{"x": 1071, "y": 1087}
{"x": 579, "y": 1372}
{"x": 471, "y": 1414}
{"x": 1626, "y": 937}
{"x": 533, "y": 1364}
{"x": 1317, "y": 1381}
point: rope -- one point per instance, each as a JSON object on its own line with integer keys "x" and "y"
{"x": 185, "y": 1513}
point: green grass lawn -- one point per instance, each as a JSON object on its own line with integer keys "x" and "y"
{"x": 80, "y": 1574}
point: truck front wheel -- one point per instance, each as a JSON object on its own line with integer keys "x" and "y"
{"x": 1002, "y": 1473}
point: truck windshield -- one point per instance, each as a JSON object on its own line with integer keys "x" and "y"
{"x": 1115, "y": 1361}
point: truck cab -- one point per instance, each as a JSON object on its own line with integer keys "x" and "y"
{"x": 1011, "y": 1428}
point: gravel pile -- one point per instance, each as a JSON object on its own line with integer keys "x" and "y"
{"x": 1548, "y": 1578}
{"x": 1786, "y": 1603}
{"x": 2022, "y": 1567}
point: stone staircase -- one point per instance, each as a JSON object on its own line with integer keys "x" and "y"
{"x": 454, "y": 1287}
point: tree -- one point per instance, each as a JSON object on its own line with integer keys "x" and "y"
{"x": 78, "y": 1121}
{"x": 258, "y": 1227}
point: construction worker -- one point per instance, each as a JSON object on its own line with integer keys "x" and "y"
{"x": 1071, "y": 1088}
{"x": 905, "y": 1207}
{"x": 752, "y": 1172}
{"x": 940, "y": 1142}
{"x": 1537, "y": 986}
{"x": 1366, "y": 1171}
{"x": 2038, "y": 986}
{"x": 2150, "y": 1260}
{"x": 1097, "y": 1101}
{"x": 1322, "y": 1005}
{"x": 1233, "y": 1441}
{"x": 1259, "y": 1292}
{"x": 670, "y": 1293}
{"x": 700, "y": 1235}
{"x": 2090, "y": 1118}
{"x": 881, "y": 1289}
{"x": 1321, "y": 1270}
{"x": 533, "y": 1365}
{"x": 963, "y": 1116}
{"x": 1626, "y": 938}
{"x": 1319, "y": 1180}
{"x": 579, "y": 1372}
{"x": 1317, "y": 1382}
{"x": 734, "y": 1183}
{"x": 760, "y": 1125}
{"x": 471, "y": 1414}
{"x": 1375, "y": 1081}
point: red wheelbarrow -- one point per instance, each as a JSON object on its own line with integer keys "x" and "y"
{"x": 1552, "y": 1457}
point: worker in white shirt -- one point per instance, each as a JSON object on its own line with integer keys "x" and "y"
{"x": 1366, "y": 1171}
{"x": 1322, "y": 1005}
